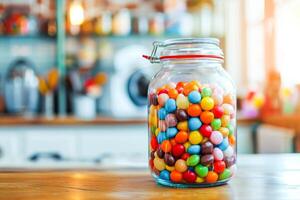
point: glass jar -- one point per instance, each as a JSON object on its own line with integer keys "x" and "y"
{"x": 191, "y": 115}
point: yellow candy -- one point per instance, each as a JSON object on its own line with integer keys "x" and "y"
{"x": 225, "y": 120}
{"x": 159, "y": 164}
{"x": 170, "y": 168}
{"x": 224, "y": 131}
{"x": 195, "y": 137}
{"x": 199, "y": 180}
{"x": 207, "y": 103}
{"x": 182, "y": 126}
{"x": 186, "y": 145}
{"x": 182, "y": 102}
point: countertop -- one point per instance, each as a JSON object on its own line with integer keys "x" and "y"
{"x": 259, "y": 177}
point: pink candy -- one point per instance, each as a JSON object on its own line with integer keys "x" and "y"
{"x": 218, "y": 154}
{"x": 216, "y": 137}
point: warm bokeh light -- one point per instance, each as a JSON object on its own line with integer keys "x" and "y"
{"x": 76, "y": 13}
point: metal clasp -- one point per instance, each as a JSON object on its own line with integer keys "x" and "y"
{"x": 153, "y": 57}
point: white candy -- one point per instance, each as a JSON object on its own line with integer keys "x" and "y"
{"x": 218, "y": 154}
{"x": 228, "y": 109}
{"x": 228, "y": 152}
{"x": 162, "y": 98}
{"x": 216, "y": 137}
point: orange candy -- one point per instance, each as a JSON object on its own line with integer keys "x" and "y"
{"x": 194, "y": 110}
{"x": 211, "y": 177}
{"x": 166, "y": 146}
{"x": 231, "y": 140}
{"x": 207, "y": 117}
{"x": 173, "y": 93}
{"x": 173, "y": 142}
{"x": 228, "y": 99}
{"x": 176, "y": 176}
{"x": 189, "y": 87}
{"x": 181, "y": 137}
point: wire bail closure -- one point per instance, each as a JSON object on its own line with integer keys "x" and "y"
{"x": 153, "y": 58}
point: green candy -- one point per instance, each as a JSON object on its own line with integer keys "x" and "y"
{"x": 206, "y": 92}
{"x": 201, "y": 171}
{"x": 224, "y": 175}
{"x": 193, "y": 160}
{"x": 216, "y": 124}
{"x": 153, "y": 128}
{"x": 231, "y": 129}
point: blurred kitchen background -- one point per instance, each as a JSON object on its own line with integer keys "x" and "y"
{"x": 73, "y": 83}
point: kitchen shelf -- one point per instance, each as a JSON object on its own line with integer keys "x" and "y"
{"x": 67, "y": 121}
{"x": 73, "y": 121}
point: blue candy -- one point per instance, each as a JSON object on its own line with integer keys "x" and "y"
{"x": 194, "y": 97}
{"x": 164, "y": 174}
{"x": 224, "y": 144}
{"x": 194, "y": 149}
{"x": 161, "y": 137}
{"x": 171, "y": 132}
{"x": 194, "y": 123}
{"x": 162, "y": 113}
{"x": 170, "y": 105}
{"x": 191, "y": 169}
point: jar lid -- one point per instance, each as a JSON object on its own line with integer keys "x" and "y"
{"x": 186, "y": 48}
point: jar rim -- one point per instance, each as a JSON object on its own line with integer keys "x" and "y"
{"x": 176, "y": 41}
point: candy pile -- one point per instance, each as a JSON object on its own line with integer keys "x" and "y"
{"x": 191, "y": 130}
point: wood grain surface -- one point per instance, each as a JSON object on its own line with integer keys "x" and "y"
{"x": 259, "y": 177}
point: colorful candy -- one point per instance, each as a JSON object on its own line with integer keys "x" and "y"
{"x": 194, "y": 110}
{"x": 181, "y": 165}
{"x": 195, "y": 137}
{"x": 207, "y": 103}
{"x": 171, "y": 132}
{"x": 194, "y": 123}
{"x": 171, "y": 120}
{"x": 216, "y": 137}
{"x": 194, "y": 97}
{"x": 201, "y": 171}
{"x": 170, "y": 105}
{"x": 207, "y": 148}
{"x": 189, "y": 176}
{"x": 191, "y": 127}
{"x": 162, "y": 98}
{"x": 181, "y": 115}
{"x": 178, "y": 150}
{"x": 193, "y": 160}
{"x": 194, "y": 149}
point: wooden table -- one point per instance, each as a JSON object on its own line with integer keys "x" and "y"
{"x": 259, "y": 177}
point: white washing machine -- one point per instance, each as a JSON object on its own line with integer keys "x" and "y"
{"x": 126, "y": 93}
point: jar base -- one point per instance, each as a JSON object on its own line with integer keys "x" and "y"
{"x": 180, "y": 185}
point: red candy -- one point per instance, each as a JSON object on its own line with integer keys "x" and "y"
{"x": 178, "y": 150}
{"x": 185, "y": 156}
{"x": 205, "y": 130}
{"x": 218, "y": 111}
{"x": 154, "y": 143}
{"x": 189, "y": 176}
{"x": 151, "y": 164}
{"x": 219, "y": 166}
{"x": 179, "y": 87}
{"x": 163, "y": 91}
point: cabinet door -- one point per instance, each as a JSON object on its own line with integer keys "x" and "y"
{"x": 114, "y": 141}
{"x": 50, "y": 144}
{"x": 9, "y": 147}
